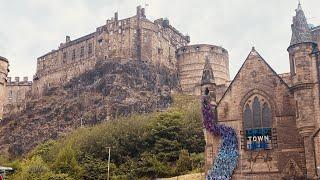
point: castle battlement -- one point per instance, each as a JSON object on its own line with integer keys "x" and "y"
{"x": 191, "y": 60}
{"x": 16, "y": 81}
{"x": 201, "y": 47}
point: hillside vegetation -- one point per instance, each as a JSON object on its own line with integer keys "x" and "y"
{"x": 112, "y": 88}
{"x": 146, "y": 146}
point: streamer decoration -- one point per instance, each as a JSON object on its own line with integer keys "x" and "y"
{"x": 227, "y": 158}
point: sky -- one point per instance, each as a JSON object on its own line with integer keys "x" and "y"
{"x": 31, "y": 28}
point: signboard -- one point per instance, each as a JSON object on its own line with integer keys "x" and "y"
{"x": 257, "y": 139}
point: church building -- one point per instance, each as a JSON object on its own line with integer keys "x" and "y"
{"x": 276, "y": 116}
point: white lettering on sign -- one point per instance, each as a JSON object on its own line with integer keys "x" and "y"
{"x": 258, "y": 138}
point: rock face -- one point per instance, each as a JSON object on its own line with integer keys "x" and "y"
{"x": 114, "y": 88}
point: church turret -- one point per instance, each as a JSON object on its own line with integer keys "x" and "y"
{"x": 208, "y": 85}
{"x": 303, "y": 66}
{"x": 208, "y": 92}
{"x": 3, "y": 80}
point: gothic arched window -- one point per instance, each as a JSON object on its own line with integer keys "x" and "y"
{"x": 247, "y": 116}
{"x": 257, "y": 113}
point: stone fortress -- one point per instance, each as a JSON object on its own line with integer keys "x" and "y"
{"x": 286, "y": 106}
{"x": 134, "y": 38}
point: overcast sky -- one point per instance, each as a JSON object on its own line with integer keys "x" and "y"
{"x": 31, "y": 28}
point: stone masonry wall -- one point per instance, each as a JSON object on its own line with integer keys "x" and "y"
{"x": 3, "y": 78}
{"x": 257, "y": 79}
{"x": 131, "y": 38}
{"x": 191, "y": 61}
{"x": 17, "y": 92}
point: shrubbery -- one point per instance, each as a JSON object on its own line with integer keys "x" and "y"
{"x": 161, "y": 144}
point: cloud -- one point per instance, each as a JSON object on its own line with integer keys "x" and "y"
{"x": 30, "y": 28}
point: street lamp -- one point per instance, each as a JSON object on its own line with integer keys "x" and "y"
{"x": 109, "y": 150}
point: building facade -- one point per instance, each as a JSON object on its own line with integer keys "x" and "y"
{"x": 4, "y": 69}
{"x": 135, "y": 38}
{"x": 17, "y": 93}
{"x": 276, "y": 116}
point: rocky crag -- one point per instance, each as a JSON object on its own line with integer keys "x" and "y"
{"x": 113, "y": 88}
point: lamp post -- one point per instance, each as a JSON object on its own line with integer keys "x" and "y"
{"x": 109, "y": 150}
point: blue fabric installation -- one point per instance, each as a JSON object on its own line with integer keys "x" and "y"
{"x": 227, "y": 158}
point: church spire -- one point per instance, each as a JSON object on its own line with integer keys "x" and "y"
{"x": 300, "y": 30}
{"x": 207, "y": 74}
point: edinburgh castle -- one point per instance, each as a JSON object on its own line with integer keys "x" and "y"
{"x": 257, "y": 98}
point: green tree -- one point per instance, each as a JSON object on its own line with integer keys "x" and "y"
{"x": 184, "y": 163}
{"x": 66, "y": 163}
{"x": 165, "y": 136}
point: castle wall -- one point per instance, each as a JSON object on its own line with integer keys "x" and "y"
{"x": 4, "y": 64}
{"x": 191, "y": 61}
{"x": 134, "y": 38}
{"x": 17, "y": 93}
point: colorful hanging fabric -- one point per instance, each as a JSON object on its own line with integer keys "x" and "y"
{"x": 227, "y": 159}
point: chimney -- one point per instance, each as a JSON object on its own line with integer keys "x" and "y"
{"x": 116, "y": 16}
{"x": 139, "y": 11}
{"x": 25, "y": 79}
{"x": 143, "y": 13}
{"x": 68, "y": 39}
{"x": 17, "y": 79}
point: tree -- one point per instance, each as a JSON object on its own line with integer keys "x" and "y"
{"x": 184, "y": 163}
{"x": 66, "y": 163}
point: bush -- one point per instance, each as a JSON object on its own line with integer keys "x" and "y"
{"x": 144, "y": 146}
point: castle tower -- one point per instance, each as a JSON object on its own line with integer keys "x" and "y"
{"x": 208, "y": 90}
{"x": 3, "y": 80}
{"x": 303, "y": 66}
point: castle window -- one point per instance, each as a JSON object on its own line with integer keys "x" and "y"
{"x": 111, "y": 32}
{"x": 10, "y": 94}
{"x": 90, "y": 48}
{"x": 256, "y": 115}
{"x": 100, "y": 42}
{"x": 64, "y": 55}
{"x": 73, "y": 54}
{"x": 82, "y": 51}
{"x": 119, "y": 31}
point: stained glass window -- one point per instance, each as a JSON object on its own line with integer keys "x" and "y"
{"x": 266, "y": 115}
{"x": 256, "y": 113}
{"x": 247, "y": 117}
